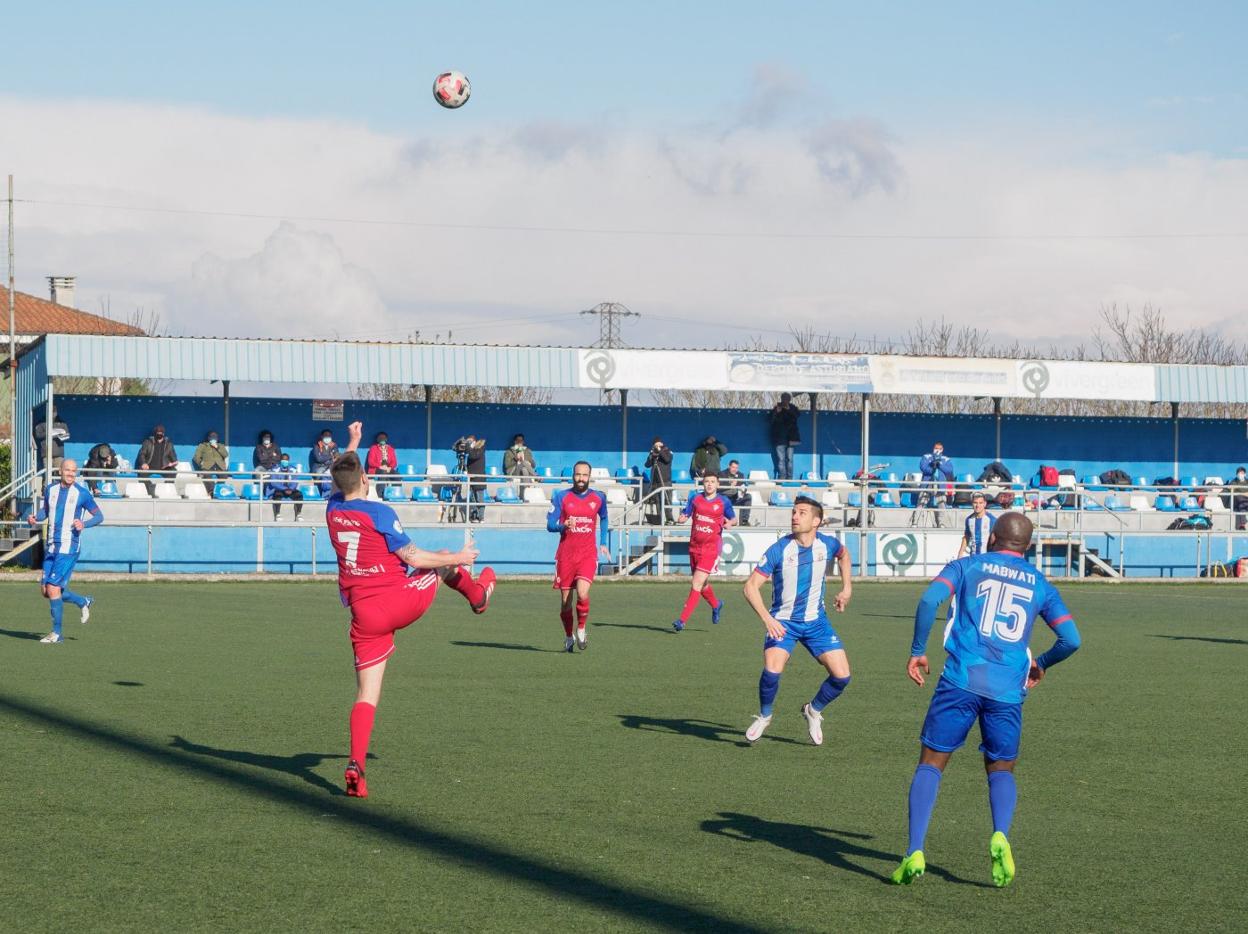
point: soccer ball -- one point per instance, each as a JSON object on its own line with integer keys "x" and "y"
{"x": 451, "y": 89}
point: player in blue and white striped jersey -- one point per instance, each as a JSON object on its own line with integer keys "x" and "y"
{"x": 796, "y": 566}
{"x": 977, "y": 529}
{"x": 68, "y": 507}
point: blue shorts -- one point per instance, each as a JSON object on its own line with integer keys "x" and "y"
{"x": 58, "y": 569}
{"x": 818, "y": 636}
{"x": 952, "y": 713}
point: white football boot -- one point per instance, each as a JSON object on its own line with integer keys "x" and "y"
{"x": 755, "y": 730}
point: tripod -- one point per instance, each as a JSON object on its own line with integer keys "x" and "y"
{"x": 925, "y": 515}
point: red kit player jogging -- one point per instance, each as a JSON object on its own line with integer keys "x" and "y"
{"x": 579, "y": 516}
{"x": 388, "y": 583}
{"x": 710, "y": 513}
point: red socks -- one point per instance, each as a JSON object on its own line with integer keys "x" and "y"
{"x": 582, "y": 612}
{"x": 710, "y": 596}
{"x": 362, "y": 715}
{"x": 691, "y": 604}
{"x": 565, "y": 615}
{"x": 460, "y": 580}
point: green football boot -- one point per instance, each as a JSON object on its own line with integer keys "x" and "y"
{"x": 1002, "y": 860}
{"x": 912, "y": 867}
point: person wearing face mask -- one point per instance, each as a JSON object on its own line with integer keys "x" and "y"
{"x": 283, "y": 484}
{"x": 212, "y": 460}
{"x": 267, "y": 455}
{"x": 322, "y": 458}
{"x": 157, "y": 455}
{"x": 518, "y": 459}
{"x": 382, "y": 461}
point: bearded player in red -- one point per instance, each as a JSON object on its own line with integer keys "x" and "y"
{"x": 388, "y": 583}
{"x": 710, "y": 513}
{"x": 576, "y": 515}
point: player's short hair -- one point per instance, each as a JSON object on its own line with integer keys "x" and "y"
{"x": 347, "y": 472}
{"x": 812, "y": 503}
{"x": 588, "y": 465}
{"x": 979, "y": 494}
{"x": 734, "y": 461}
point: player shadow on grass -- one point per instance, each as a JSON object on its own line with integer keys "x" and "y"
{"x": 299, "y": 765}
{"x": 1213, "y": 639}
{"x": 665, "y": 629}
{"x": 830, "y": 846}
{"x": 516, "y": 646}
{"x": 19, "y": 634}
{"x": 700, "y": 729}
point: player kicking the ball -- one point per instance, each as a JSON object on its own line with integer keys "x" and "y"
{"x": 388, "y": 583}
{"x": 710, "y": 513}
{"x": 796, "y": 566}
{"x": 987, "y": 674}
{"x": 579, "y": 516}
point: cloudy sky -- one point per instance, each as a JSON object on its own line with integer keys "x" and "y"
{"x": 728, "y": 170}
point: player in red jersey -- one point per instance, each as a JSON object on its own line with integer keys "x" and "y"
{"x": 388, "y": 583}
{"x": 710, "y": 513}
{"x": 576, "y": 514}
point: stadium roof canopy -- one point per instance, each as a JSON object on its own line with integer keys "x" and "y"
{"x": 406, "y": 364}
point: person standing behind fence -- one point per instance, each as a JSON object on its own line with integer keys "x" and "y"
{"x": 157, "y": 455}
{"x": 935, "y": 469}
{"x": 659, "y": 463}
{"x": 707, "y": 458}
{"x": 212, "y": 460}
{"x": 471, "y": 450}
{"x": 60, "y": 434}
{"x": 782, "y": 420}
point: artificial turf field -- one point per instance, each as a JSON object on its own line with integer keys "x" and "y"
{"x": 177, "y": 765}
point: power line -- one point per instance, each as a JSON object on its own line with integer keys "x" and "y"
{"x": 644, "y": 232}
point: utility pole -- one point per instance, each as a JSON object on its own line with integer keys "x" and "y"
{"x": 609, "y": 315}
{"x": 12, "y": 363}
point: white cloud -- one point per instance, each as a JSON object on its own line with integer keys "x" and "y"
{"x": 755, "y": 191}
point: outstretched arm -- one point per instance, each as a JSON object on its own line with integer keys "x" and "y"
{"x": 430, "y": 560}
{"x": 355, "y": 431}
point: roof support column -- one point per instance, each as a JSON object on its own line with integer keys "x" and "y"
{"x": 996, "y": 415}
{"x": 863, "y": 512}
{"x": 624, "y": 429}
{"x": 428, "y": 427}
{"x": 1174, "y": 417}
{"x": 814, "y": 434}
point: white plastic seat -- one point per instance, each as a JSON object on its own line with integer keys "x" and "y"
{"x": 534, "y": 494}
{"x": 194, "y": 490}
{"x": 1215, "y": 504}
{"x": 1066, "y": 482}
{"x": 436, "y": 470}
{"x": 838, "y": 476}
{"x": 600, "y": 473}
{"x": 1140, "y": 503}
{"x": 185, "y": 467}
{"x": 617, "y": 495}
{"x": 830, "y": 499}
{"x": 1213, "y": 481}
{"x": 135, "y": 490}
{"x": 759, "y": 475}
{"x": 165, "y": 490}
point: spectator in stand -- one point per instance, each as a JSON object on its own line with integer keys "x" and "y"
{"x": 102, "y": 463}
{"x": 157, "y": 457}
{"x": 518, "y": 459}
{"x": 936, "y": 470}
{"x": 471, "y": 452}
{"x": 659, "y": 462}
{"x": 267, "y": 455}
{"x": 782, "y": 420}
{"x": 322, "y": 457}
{"x": 60, "y": 434}
{"x": 283, "y": 484}
{"x": 212, "y": 460}
{"x": 382, "y": 460}
{"x": 1238, "y": 488}
{"x": 706, "y": 459}
{"x": 732, "y": 487}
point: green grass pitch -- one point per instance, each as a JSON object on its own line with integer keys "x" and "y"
{"x": 177, "y": 765}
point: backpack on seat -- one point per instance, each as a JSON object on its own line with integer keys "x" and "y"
{"x": 1048, "y": 476}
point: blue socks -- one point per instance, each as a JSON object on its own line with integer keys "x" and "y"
{"x": 1002, "y": 796}
{"x": 768, "y": 685}
{"x": 57, "y": 607}
{"x": 829, "y": 691}
{"x": 70, "y": 597}
{"x": 923, "y": 789}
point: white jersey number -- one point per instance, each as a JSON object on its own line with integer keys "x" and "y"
{"x": 352, "y": 541}
{"x": 1004, "y": 612}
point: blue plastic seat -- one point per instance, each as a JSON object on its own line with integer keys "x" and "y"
{"x": 423, "y": 494}
{"x": 1115, "y": 504}
{"x": 393, "y": 493}
{"x": 1165, "y": 503}
{"x": 884, "y": 499}
{"x": 108, "y": 490}
{"x": 1192, "y": 504}
{"x": 506, "y": 494}
{"x": 224, "y": 490}
{"x": 779, "y": 498}
{"x": 310, "y": 491}
{"x": 854, "y": 500}
{"x": 625, "y": 473}
{"x": 681, "y": 476}
{"x": 566, "y": 473}
{"x": 240, "y": 471}
{"x": 1190, "y": 483}
{"x": 251, "y": 491}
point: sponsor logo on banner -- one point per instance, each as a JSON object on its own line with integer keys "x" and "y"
{"x": 1033, "y": 376}
{"x": 599, "y": 367}
{"x": 941, "y": 375}
{"x": 914, "y": 554}
{"x": 799, "y": 372}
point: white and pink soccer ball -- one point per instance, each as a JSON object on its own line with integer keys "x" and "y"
{"x": 451, "y": 89}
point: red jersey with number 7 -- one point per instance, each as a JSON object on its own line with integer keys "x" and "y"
{"x": 365, "y": 536}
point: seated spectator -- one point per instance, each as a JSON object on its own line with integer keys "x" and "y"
{"x": 212, "y": 460}
{"x": 157, "y": 457}
{"x": 266, "y": 455}
{"x": 706, "y": 459}
{"x": 60, "y": 434}
{"x": 732, "y": 487}
{"x": 382, "y": 460}
{"x": 323, "y": 455}
{"x": 518, "y": 459}
{"x": 102, "y": 462}
{"x": 283, "y": 484}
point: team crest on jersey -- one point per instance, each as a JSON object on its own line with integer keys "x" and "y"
{"x": 398, "y": 527}
{"x": 593, "y": 502}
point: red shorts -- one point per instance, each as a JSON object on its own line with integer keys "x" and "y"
{"x": 704, "y": 559}
{"x": 376, "y": 618}
{"x": 575, "y": 567}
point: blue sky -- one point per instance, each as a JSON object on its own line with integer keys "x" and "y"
{"x": 744, "y": 168}
{"x": 1173, "y": 71}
